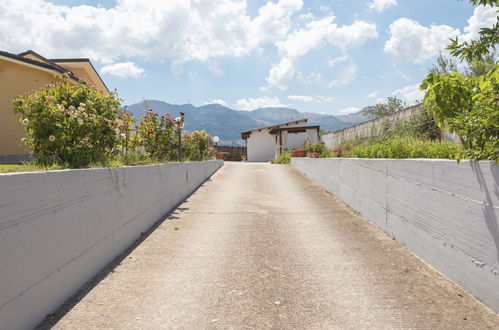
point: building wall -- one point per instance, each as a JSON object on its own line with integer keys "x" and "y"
{"x": 58, "y": 229}
{"x": 445, "y": 212}
{"x": 261, "y": 146}
{"x": 16, "y": 80}
{"x": 296, "y": 140}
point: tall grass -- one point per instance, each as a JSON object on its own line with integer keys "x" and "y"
{"x": 406, "y": 147}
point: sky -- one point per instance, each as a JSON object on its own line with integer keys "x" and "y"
{"x": 332, "y": 57}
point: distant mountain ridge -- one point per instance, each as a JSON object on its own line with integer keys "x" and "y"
{"x": 227, "y": 123}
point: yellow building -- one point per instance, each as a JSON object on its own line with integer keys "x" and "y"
{"x": 23, "y": 73}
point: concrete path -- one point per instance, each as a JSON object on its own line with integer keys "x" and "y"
{"x": 260, "y": 246}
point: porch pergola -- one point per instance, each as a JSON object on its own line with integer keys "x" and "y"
{"x": 281, "y": 135}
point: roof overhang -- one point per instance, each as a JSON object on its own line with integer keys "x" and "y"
{"x": 57, "y": 67}
{"x": 246, "y": 134}
{"x": 38, "y": 65}
{"x": 90, "y": 69}
{"x": 295, "y": 129}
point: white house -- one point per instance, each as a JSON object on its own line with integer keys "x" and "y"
{"x": 266, "y": 143}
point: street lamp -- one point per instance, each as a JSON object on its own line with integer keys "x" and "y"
{"x": 215, "y": 140}
{"x": 180, "y": 125}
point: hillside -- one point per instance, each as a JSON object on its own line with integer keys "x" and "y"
{"x": 218, "y": 120}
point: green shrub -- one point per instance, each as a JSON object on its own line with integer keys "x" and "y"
{"x": 406, "y": 148}
{"x": 283, "y": 158}
{"x": 315, "y": 147}
{"x": 196, "y": 146}
{"x": 468, "y": 106}
{"x": 72, "y": 124}
{"x": 134, "y": 157}
{"x": 420, "y": 125}
{"x": 326, "y": 154}
{"x": 344, "y": 149}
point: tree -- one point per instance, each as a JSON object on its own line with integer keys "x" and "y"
{"x": 392, "y": 105}
{"x": 468, "y": 104}
{"x": 444, "y": 66}
{"x": 481, "y": 66}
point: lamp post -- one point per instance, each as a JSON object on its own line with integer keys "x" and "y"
{"x": 215, "y": 140}
{"x": 180, "y": 125}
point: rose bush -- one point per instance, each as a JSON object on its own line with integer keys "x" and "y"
{"x": 128, "y": 136}
{"x": 73, "y": 124}
{"x": 158, "y": 135}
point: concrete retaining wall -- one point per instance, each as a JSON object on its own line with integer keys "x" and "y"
{"x": 444, "y": 212}
{"x": 59, "y": 228}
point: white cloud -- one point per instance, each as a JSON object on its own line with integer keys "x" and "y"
{"x": 312, "y": 36}
{"x": 302, "y": 41}
{"x": 175, "y": 30}
{"x": 340, "y": 59}
{"x": 347, "y": 75}
{"x": 483, "y": 16}
{"x": 280, "y": 74}
{"x": 410, "y": 94}
{"x": 307, "y": 16}
{"x": 348, "y": 110}
{"x": 324, "y": 99}
{"x": 303, "y": 98}
{"x": 310, "y": 78}
{"x": 123, "y": 70}
{"x": 308, "y": 99}
{"x": 412, "y": 42}
{"x": 355, "y": 34}
{"x": 380, "y": 5}
{"x": 260, "y": 102}
{"x": 373, "y": 95}
{"x": 406, "y": 77}
{"x": 325, "y": 9}
{"x": 274, "y": 20}
{"x": 217, "y": 101}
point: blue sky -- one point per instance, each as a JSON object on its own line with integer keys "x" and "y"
{"x": 331, "y": 57}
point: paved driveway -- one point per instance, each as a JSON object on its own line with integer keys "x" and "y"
{"x": 260, "y": 246}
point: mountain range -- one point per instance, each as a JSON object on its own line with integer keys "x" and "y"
{"x": 227, "y": 123}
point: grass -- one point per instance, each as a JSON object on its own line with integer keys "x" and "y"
{"x": 131, "y": 159}
{"x": 37, "y": 167}
{"x": 283, "y": 158}
{"x": 28, "y": 167}
{"x": 398, "y": 148}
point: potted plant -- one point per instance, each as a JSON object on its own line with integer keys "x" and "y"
{"x": 314, "y": 155}
{"x": 314, "y": 150}
{"x": 298, "y": 152}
